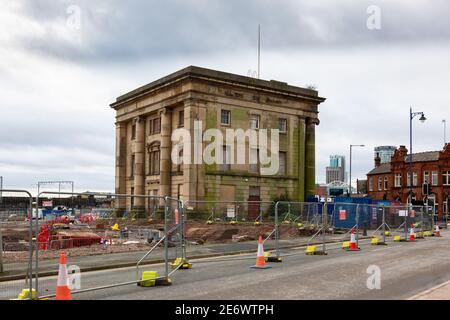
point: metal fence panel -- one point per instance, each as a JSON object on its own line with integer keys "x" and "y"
{"x": 15, "y": 243}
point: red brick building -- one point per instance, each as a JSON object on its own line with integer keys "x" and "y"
{"x": 390, "y": 181}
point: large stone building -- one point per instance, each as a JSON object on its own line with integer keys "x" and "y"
{"x": 146, "y": 118}
{"x": 390, "y": 181}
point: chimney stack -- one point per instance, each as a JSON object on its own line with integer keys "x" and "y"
{"x": 377, "y": 160}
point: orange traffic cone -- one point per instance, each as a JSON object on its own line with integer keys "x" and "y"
{"x": 260, "y": 260}
{"x": 412, "y": 235}
{"x": 62, "y": 287}
{"x": 353, "y": 246}
{"x": 437, "y": 232}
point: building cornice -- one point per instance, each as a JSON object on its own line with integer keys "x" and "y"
{"x": 192, "y": 72}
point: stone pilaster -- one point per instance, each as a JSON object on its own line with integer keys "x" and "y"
{"x": 193, "y": 174}
{"x": 139, "y": 157}
{"x": 310, "y": 156}
{"x": 121, "y": 165}
{"x": 166, "y": 149}
{"x": 301, "y": 159}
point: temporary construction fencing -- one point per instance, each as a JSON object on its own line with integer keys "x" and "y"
{"x": 16, "y": 234}
{"x": 97, "y": 223}
{"x": 129, "y": 224}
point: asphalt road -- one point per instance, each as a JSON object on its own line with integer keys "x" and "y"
{"x": 406, "y": 269}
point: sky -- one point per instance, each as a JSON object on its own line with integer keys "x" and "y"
{"x": 63, "y": 62}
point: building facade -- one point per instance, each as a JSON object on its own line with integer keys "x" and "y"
{"x": 336, "y": 170}
{"x": 391, "y": 181}
{"x": 385, "y": 153}
{"x": 147, "y": 117}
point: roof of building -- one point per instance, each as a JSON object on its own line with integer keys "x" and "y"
{"x": 383, "y": 168}
{"x": 424, "y": 156}
{"x": 417, "y": 157}
{"x": 198, "y": 72}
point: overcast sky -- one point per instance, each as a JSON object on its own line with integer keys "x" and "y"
{"x": 58, "y": 73}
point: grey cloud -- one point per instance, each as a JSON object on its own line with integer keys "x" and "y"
{"x": 118, "y": 31}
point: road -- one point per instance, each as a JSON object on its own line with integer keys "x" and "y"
{"x": 406, "y": 269}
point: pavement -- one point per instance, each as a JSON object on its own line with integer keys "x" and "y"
{"x": 406, "y": 270}
{"x": 440, "y": 292}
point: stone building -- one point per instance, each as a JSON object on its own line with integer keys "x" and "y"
{"x": 390, "y": 181}
{"x": 147, "y": 116}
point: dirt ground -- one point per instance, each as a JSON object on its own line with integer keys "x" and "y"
{"x": 15, "y": 237}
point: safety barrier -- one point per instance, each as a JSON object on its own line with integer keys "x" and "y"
{"x": 16, "y": 234}
{"x": 158, "y": 226}
{"x": 108, "y": 223}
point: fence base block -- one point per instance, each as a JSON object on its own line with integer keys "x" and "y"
{"x": 181, "y": 263}
{"x": 163, "y": 282}
{"x": 274, "y": 259}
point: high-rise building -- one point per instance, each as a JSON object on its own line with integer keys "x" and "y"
{"x": 336, "y": 170}
{"x": 384, "y": 153}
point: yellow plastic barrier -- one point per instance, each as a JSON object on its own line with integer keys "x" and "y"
{"x": 397, "y": 238}
{"x": 310, "y": 250}
{"x": 181, "y": 263}
{"x": 374, "y": 241}
{"x": 26, "y": 293}
{"x": 148, "y": 278}
{"x": 345, "y": 244}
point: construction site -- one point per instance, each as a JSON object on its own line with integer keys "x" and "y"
{"x": 170, "y": 234}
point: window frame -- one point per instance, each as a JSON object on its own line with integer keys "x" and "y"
{"x": 284, "y": 172}
{"x": 222, "y": 111}
{"x": 258, "y": 121}
{"x": 181, "y": 118}
{"x": 446, "y": 178}
{"x": 285, "y": 125}
{"x": 398, "y": 180}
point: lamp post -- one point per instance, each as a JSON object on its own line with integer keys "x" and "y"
{"x": 445, "y": 131}
{"x": 350, "y": 170}
{"x": 422, "y": 119}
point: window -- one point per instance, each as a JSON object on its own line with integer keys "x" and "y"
{"x": 434, "y": 178}
{"x": 386, "y": 183}
{"x": 226, "y": 158}
{"x": 154, "y": 159}
{"x": 282, "y": 164}
{"x": 254, "y": 121}
{"x": 282, "y": 125}
{"x": 398, "y": 180}
{"x": 181, "y": 118}
{"x": 414, "y": 182}
{"x": 370, "y": 184}
{"x": 133, "y": 165}
{"x": 446, "y": 178}
{"x": 225, "y": 117}
{"x": 133, "y": 132}
{"x": 154, "y": 126}
{"x": 380, "y": 183}
{"x": 426, "y": 177}
{"x": 254, "y": 160}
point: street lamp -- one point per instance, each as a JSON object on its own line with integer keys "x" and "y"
{"x": 350, "y": 171}
{"x": 445, "y": 131}
{"x": 422, "y": 119}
